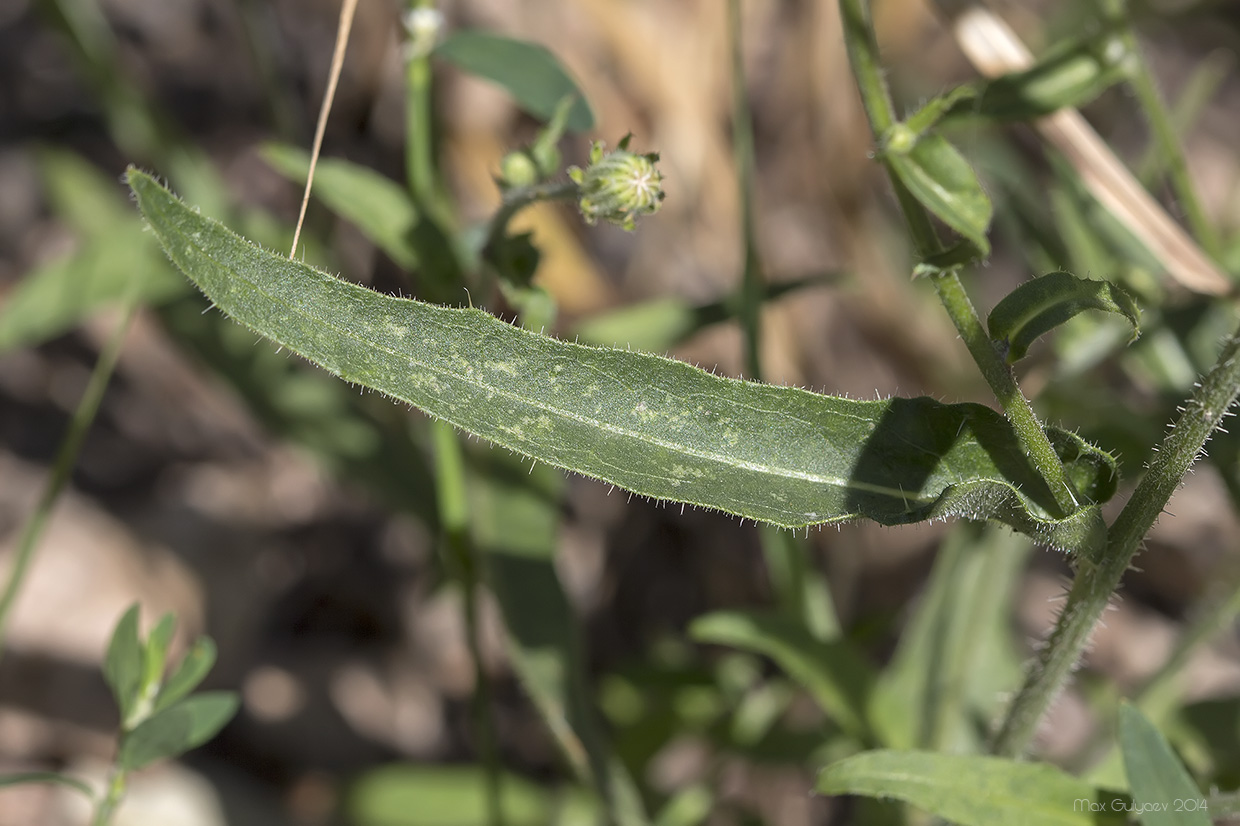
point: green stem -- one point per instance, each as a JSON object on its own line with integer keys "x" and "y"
{"x": 863, "y": 55}
{"x": 1096, "y": 581}
{"x": 750, "y": 308}
{"x": 462, "y": 564}
{"x": 66, "y": 456}
{"x": 419, "y": 158}
{"x": 1163, "y": 129}
{"x": 111, "y": 800}
{"x": 999, "y": 376}
{"x": 518, "y": 199}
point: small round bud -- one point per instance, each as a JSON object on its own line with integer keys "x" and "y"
{"x": 518, "y": 169}
{"x": 618, "y": 186}
{"x": 901, "y": 139}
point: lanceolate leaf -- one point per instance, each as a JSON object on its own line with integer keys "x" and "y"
{"x": 655, "y": 426}
{"x": 1038, "y": 306}
{"x": 1162, "y": 789}
{"x": 379, "y": 206}
{"x": 942, "y": 180}
{"x": 973, "y": 790}
{"x": 530, "y": 73}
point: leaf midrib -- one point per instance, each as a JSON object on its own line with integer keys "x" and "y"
{"x": 719, "y": 459}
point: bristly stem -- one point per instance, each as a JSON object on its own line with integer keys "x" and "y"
{"x": 863, "y": 55}
{"x": 1097, "y": 580}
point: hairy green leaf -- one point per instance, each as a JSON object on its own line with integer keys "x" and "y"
{"x": 177, "y": 729}
{"x": 832, "y": 671}
{"x": 1038, "y": 306}
{"x": 380, "y": 207}
{"x": 655, "y": 426}
{"x": 530, "y": 73}
{"x": 941, "y": 179}
{"x": 974, "y": 790}
{"x": 1162, "y": 789}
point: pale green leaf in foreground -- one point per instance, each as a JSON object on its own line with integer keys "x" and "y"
{"x": 1162, "y": 789}
{"x": 973, "y": 790}
{"x": 659, "y": 427}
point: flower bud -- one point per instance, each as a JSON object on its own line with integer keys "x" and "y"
{"x": 618, "y": 186}
{"x": 518, "y": 169}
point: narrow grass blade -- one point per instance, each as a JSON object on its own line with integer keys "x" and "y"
{"x": 655, "y": 426}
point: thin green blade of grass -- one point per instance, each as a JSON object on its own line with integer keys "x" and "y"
{"x": 658, "y": 427}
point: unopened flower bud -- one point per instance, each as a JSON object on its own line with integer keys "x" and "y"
{"x": 618, "y": 186}
{"x": 518, "y": 169}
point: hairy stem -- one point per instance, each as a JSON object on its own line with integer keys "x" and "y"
{"x": 1097, "y": 580}
{"x": 863, "y": 56}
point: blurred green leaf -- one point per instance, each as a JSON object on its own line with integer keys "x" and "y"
{"x": 380, "y": 207}
{"x": 659, "y": 324}
{"x": 155, "y": 652}
{"x": 1036, "y": 307}
{"x": 1070, "y": 74}
{"x": 114, "y": 259}
{"x": 515, "y": 519}
{"x": 122, "y": 665}
{"x": 941, "y": 179}
{"x": 1162, "y": 789}
{"x": 956, "y": 657}
{"x": 413, "y": 795}
{"x": 688, "y": 807}
{"x": 176, "y": 729}
{"x": 975, "y": 790}
{"x": 834, "y": 673}
{"x": 91, "y": 203}
{"x": 188, "y": 673}
{"x": 530, "y": 73}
